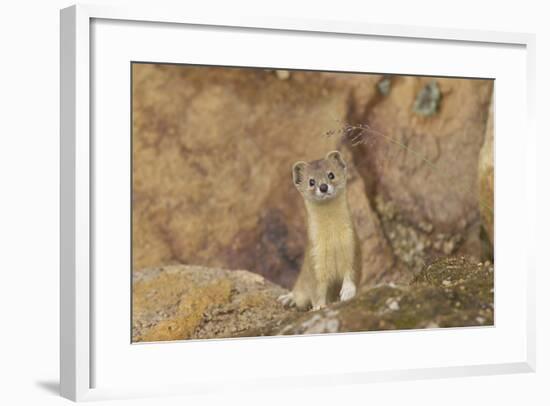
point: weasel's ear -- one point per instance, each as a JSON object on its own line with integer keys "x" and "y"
{"x": 298, "y": 172}
{"x": 336, "y": 157}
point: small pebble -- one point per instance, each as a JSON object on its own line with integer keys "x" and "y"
{"x": 392, "y": 304}
{"x": 282, "y": 74}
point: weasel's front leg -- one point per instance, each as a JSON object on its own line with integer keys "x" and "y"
{"x": 348, "y": 289}
{"x": 322, "y": 292}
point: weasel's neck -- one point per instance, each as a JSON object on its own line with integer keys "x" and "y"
{"x": 333, "y": 211}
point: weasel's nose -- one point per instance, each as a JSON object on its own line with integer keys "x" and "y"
{"x": 323, "y": 187}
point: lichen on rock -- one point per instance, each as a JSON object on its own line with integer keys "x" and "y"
{"x": 188, "y": 302}
{"x": 384, "y": 86}
{"x": 413, "y": 245}
{"x": 428, "y": 99}
{"x": 451, "y": 292}
{"x": 191, "y": 302}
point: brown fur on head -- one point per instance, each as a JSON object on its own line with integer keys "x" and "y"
{"x": 321, "y": 180}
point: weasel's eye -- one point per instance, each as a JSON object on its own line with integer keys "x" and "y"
{"x": 312, "y": 182}
{"x": 330, "y": 175}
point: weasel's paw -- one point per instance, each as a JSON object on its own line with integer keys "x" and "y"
{"x": 287, "y": 299}
{"x": 317, "y": 307}
{"x": 348, "y": 291}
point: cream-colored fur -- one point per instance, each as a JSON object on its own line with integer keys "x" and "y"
{"x": 332, "y": 260}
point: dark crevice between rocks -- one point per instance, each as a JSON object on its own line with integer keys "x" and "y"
{"x": 487, "y": 251}
{"x": 356, "y": 115}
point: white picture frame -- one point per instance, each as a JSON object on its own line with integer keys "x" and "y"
{"x": 78, "y": 351}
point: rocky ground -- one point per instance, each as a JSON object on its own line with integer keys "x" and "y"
{"x": 188, "y": 302}
{"x": 452, "y": 292}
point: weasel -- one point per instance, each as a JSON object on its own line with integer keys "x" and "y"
{"x": 332, "y": 260}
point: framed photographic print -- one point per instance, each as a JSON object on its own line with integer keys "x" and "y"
{"x": 275, "y": 202}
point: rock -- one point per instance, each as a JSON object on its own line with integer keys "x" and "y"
{"x": 420, "y": 151}
{"x": 426, "y": 166}
{"x": 376, "y": 253}
{"x": 487, "y": 178}
{"x": 212, "y": 155}
{"x": 213, "y": 148}
{"x": 452, "y": 292}
{"x": 190, "y": 302}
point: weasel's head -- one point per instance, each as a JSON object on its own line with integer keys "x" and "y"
{"x": 321, "y": 180}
